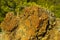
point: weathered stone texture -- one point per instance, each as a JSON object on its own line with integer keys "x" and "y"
{"x": 34, "y": 23}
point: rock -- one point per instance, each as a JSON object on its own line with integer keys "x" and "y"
{"x": 33, "y": 23}
{"x": 9, "y": 22}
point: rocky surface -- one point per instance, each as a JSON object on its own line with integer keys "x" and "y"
{"x": 34, "y": 23}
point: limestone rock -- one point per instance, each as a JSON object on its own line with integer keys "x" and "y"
{"x": 33, "y": 24}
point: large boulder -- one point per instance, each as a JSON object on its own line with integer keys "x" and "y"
{"x": 33, "y": 23}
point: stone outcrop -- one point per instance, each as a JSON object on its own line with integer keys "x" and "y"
{"x": 34, "y": 23}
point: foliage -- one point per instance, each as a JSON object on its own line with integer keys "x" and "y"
{"x": 17, "y": 5}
